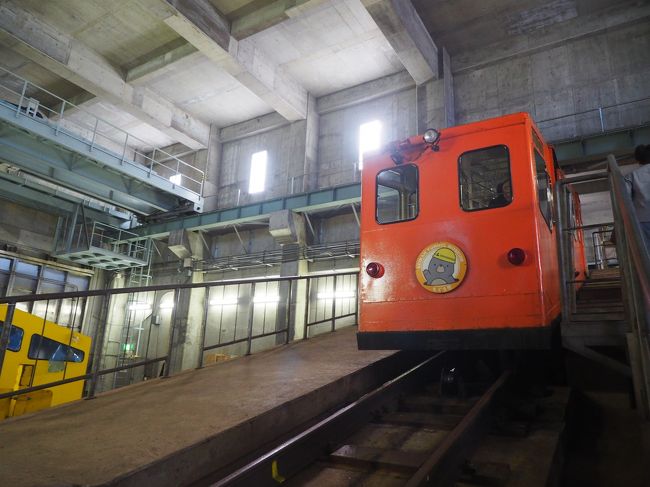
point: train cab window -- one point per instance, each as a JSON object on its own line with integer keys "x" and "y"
{"x": 43, "y": 348}
{"x": 484, "y": 177}
{"x": 15, "y": 337}
{"x": 397, "y": 194}
{"x": 544, "y": 192}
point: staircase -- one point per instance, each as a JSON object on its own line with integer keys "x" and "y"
{"x": 597, "y": 323}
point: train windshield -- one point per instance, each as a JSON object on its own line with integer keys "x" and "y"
{"x": 43, "y": 348}
{"x": 15, "y": 337}
{"x": 397, "y": 194}
{"x": 484, "y": 177}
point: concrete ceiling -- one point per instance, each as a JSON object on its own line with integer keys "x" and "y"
{"x": 176, "y": 61}
{"x": 327, "y": 46}
{"x": 331, "y": 47}
{"x": 466, "y": 25}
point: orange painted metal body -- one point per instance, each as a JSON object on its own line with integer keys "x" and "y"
{"x": 494, "y": 294}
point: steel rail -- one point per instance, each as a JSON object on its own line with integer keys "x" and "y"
{"x": 441, "y": 468}
{"x": 297, "y": 453}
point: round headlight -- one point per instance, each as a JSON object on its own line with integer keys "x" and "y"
{"x": 431, "y": 136}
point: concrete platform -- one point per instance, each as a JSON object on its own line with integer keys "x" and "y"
{"x": 170, "y": 432}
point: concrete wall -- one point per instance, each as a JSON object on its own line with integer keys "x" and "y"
{"x": 27, "y": 228}
{"x": 606, "y": 69}
{"x": 286, "y": 157}
{"x": 338, "y": 150}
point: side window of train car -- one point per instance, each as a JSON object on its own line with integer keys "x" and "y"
{"x": 397, "y": 194}
{"x": 484, "y": 178}
{"x": 544, "y": 191}
{"x": 15, "y": 337}
{"x": 43, "y": 348}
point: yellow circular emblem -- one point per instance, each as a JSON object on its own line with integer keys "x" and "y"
{"x": 441, "y": 267}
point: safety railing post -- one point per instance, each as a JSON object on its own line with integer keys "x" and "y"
{"x": 204, "y": 324}
{"x": 22, "y": 98}
{"x": 126, "y": 141}
{"x": 6, "y": 332}
{"x": 153, "y": 161}
{"x": 92, "y": 141}
{"x": 58, "y": 122}
{"x": 288, "y": 313}
{"x": 98, "y": 345}
{"x": 170, "y": 349}
{"x": 334, "y": 304}
{"x": 306, "y": 325}
{"x": 602, "y": 121}
{"x": 251, "y": 316}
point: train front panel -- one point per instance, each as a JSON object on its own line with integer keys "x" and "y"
{"x": 450, "y": 243}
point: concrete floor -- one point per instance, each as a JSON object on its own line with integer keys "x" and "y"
{"x": 609, "y": 445}
{"x": 169, "y": 431}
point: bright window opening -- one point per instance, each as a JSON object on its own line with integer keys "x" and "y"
{"x": 258, "y": 172}
{"x": 369, "y": 139}
{"x": 176, "y": 179}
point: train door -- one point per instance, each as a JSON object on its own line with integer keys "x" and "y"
{"x": 544, "y": 176}
{"x": 40, "y": 352}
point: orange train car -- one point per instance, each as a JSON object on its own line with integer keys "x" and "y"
{"x": 458, "y": 240}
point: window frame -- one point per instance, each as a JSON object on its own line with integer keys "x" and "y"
{"x": 41, "y": 338}
{"x": 547, "y": 218}
{"x": 417, "y": 194}
{"x": 512, "y": 188}
{"x": 19, "y": 331}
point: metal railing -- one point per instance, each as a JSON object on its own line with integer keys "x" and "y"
{"x": 105, "y": 237}
{"x": 605, "y": 118}
{"x": 603, "y": 245}
{"x": 567, "y": 227}
{"x": 236, "y": 317}
{"x": 43, "y": 106}
{"x": 634, "y": 258}
{"x": 634, "y": 264}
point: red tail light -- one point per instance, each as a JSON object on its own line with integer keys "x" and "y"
{"x": 516, "y": 256}
{"x": 375, "y": 269}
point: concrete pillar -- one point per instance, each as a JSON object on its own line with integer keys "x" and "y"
{"x": 212, "y": 170}
{"x": 289, "y": 229}
{"x": 311, "y": 146}
{"x": 436, "y": 106}
{"x": 187, "y": 320}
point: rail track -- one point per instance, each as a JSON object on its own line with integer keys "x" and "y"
{"x": 404, "y": 433}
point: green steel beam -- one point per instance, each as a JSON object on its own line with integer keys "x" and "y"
{"x": 67, "y": 159}
{"x": 569, "y": 152}
{"x": 305, "y": 202}
{"x": 584, "y": 150}
{"x": 32, "y": 195}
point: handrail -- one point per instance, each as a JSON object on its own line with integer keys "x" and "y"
{"x": 197, "y": 178}
{"x": 283, "y": 323}
{"x": 29, "y": 298}
{"x": 631, "y": 225}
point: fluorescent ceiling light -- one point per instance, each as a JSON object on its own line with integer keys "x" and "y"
{"x": 228, "y": 300}
{"x": 337, "y": 295}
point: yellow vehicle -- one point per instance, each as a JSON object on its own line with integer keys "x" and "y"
{"x": 40, "y": 352}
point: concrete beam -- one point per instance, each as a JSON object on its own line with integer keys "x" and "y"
{"x": 205, "y": 28}
{"x": 524, "y": 44}
{"x": 405, "y": 32}
{"x": 255, "y": 126}
{"x": 365, "y": 92}
{"x": 159, "y": 60}
{"x": 73, "y": 61}
{"x": 268, "y": 16}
